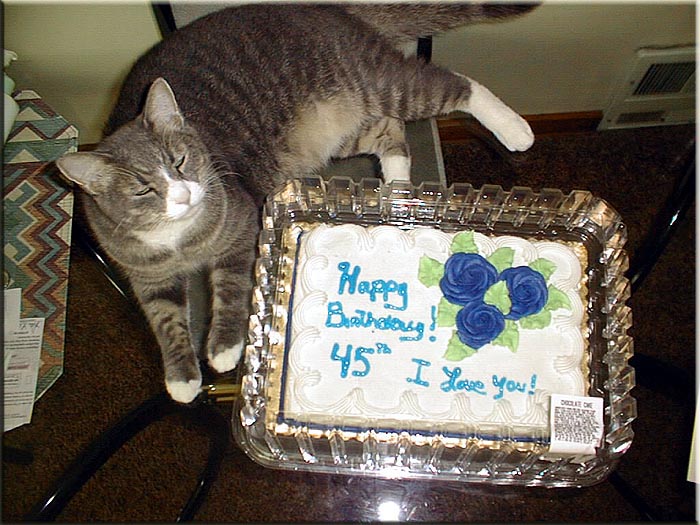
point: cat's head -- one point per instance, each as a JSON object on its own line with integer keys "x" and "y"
{"x": 152, "y": 171}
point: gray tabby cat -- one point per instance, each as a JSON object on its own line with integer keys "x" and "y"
{"x": 236, "y": 103}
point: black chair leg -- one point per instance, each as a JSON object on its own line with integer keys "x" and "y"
{"x": 665, "y": 225}
{"x": 82, "y": 236}
{"x": 651, "y": 372}
{"x": 103, "y": 447}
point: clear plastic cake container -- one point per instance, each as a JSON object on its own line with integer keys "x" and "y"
{"x": 500, "y": 453}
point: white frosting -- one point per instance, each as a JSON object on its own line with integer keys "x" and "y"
{"x": 385, "y": 388}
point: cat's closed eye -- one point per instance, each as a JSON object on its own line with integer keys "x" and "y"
{"x": 179, "y": 162}
{"x": 143, "y": 191}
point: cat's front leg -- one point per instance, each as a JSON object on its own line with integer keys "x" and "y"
{"x": 510, "y": 129}
{"x": 385, "y": 138}
{"x": 166, "y": 312}
{"x": 231, "y": 285}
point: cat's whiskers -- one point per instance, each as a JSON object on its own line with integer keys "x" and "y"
{"x": 217, "y": 171}
{"x": 216, "y": 167}
{"x": 119, "y": 225}
{"x": 221, "y": 169}
{"x": 223, "y": 178}
{"x": 159, "y": 224}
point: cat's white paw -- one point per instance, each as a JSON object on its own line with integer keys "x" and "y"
{"x": 227, "y": 359}
{"x": 510, "y": 129}
{"x": 184, "y": 391}
{"x": 515, "y": 133}
{"x": 396, "y": 167}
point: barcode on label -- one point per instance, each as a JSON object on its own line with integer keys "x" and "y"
{"x": 576, "y": 424}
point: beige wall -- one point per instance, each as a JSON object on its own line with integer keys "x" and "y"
{"x": 76, "y": 55}
{"x": 565, "y": 56}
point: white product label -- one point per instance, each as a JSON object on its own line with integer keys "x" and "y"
{"x": 576, "y": 424}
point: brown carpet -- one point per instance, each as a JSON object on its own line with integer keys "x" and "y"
{"x": 112, "y": 365}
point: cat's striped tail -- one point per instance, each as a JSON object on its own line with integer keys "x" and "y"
{"x": 403, "y": 22}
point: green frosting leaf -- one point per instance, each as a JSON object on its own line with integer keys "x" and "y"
{"x": 457, "y": 350}
{"x": 463, "y": 242}
{"x": 498, "y": 296}
{"x": 544, "y": 266}
{"x": 536, "y": 321}
{"x": 509, "y": 337}
{"x": 502, "y": 258}
{"x": 557, "y": 299}
{"x": 430, "y": 271}
{"x": 446, "y": 313}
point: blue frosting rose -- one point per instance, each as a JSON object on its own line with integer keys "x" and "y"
{"x": 479, "y": 324}
{"x": 467, "y": 277}
{"x": 527, "y": 289}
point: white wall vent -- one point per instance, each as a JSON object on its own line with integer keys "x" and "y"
{"x": 658, "y": 90}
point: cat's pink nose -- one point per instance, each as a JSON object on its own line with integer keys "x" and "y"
{"x": 180, "y": 194}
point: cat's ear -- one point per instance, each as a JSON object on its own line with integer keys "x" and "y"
{"x": 86, "y": 169}
{"x": 161, "y": 111}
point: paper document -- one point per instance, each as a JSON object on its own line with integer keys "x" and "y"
{"x": 13, "y": 305}
{"x": 21, "y": 372}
